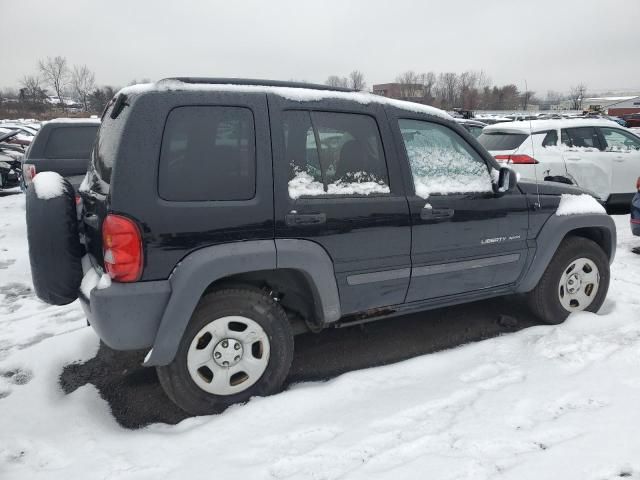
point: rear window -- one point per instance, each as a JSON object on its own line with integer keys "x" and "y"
{"x": 70, "y": 142}
{"x": 501, "y": 140}
{"x": 103, "y": 155}
{"x": 208, "y": 153}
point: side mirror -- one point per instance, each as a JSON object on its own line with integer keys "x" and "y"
{"x": 507, "y": 181}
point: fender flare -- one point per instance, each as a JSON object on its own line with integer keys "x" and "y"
{"x": 552, "y": 234}
{"x": 191, "y": 277}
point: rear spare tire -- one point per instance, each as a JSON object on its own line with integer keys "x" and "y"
{"x": 55, "y": 251}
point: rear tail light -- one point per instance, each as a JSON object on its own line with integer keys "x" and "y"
{"x": 516, "y": 159}
{"x": 29, "y": 172}
{"x": 638, "y": 184}
{"x": 122, "y": 248}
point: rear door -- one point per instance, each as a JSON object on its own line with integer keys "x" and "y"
{"x": 337, "y": 183}
{"x": 623, "y": 152}
{"x": 464, "y": 237}
{"x": 585, "y": 160}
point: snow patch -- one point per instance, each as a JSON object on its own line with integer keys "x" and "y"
{"x": 579, "y": 204}
{"x": 48, "y": 185}
{"x": 443, "y": 171}
{"x": 304, "y": 184}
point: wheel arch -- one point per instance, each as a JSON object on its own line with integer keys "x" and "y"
{"x": 599, "y": 228}
{"x": 301, "y": 265}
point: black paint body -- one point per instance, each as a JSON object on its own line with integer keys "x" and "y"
{"x": 385, "y": 255}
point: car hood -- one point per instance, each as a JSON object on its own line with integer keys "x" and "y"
{"x": 551, "y": 188}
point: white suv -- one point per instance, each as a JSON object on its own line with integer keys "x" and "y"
{"x": 595, "y": 154}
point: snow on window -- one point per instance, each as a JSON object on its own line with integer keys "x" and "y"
{"x": 578, "y": 204}
{"x": 48, "y": 185}
{"x": 440, "y": 162}
{"x": 303, "y": 184}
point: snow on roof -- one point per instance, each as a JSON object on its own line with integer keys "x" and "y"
{"x": 290, "y": 93}
{"x": 75, "y": 120}
{"x": 610, "y": 99}
{"x": 526, "y": 126}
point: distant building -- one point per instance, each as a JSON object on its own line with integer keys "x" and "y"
{"x": 401, "y": 91}
{"x": 616, "y": 106}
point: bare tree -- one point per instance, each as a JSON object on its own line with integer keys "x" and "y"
{"x": 336, "y": 81}
{"x": 528, "y": 98}
{"x": 576, "y": 95}
{"x": 428, "y": 80}
{"x": 410, "y": 84}
{"x": 55, "y": 72}
{"x": 83, "y": 81}
{"x": 447, "y": 89}
{"x": 31, "y": 90}
{"x": 356, "y": 80}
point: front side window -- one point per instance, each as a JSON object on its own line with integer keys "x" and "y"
{"x": 334, "y": 154}
{"x": 208, "y": 153}
{"x": 618, "y": 141}
{"x": 441, "y": 161}
{"x": 581, "y": 137}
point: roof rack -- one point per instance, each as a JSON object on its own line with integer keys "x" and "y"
{"x": 258, "y": 82}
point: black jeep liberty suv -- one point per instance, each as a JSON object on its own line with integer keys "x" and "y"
{"x": 220, "y": 217}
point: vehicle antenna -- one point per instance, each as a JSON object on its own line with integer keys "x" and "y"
{"x": 533, "y": 151}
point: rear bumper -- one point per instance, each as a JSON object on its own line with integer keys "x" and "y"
{"x": 126, "y": 316}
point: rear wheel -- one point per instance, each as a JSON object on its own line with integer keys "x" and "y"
{"x": 238, "y": 344}
{"x": 576, "y": 279}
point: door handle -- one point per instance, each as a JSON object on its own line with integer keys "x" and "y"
{"x": 293, "y": 219}
{"x": 573, "y": 158}
{"x": 619, "y": 159}
{"x": 436, "y": 213}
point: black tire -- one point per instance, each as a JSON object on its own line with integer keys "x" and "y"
{"x": 248, "y": 302}
{"x": 544, "y": 299}
{"x": 55, "y": 251}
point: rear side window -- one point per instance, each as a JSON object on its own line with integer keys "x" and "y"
{"x": 334, "y": 154}
{"x": 208, "y": 153}
{"x": 550, "y": 139}
{"x": 581, "y": 137}
{"x": 70, "y": 142}
{"x": 501, "y": 140}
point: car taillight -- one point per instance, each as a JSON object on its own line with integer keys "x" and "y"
{"x": 29, "y": 173}
{"x": 638, "y": 184}
{"x": 516, "y": 159}
{"x": 122, "y": 248}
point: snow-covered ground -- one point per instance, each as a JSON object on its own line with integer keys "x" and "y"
{"x": 544, "y": 403}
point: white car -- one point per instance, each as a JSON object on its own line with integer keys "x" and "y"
{"x": 598, "y": 155}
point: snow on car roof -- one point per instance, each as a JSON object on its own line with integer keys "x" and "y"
{"x": 526, "y": 126}
{"x": 75, "y": 120}
{"x": 290, "y": 93}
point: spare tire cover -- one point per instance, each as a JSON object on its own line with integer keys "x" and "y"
{"x": 55, "y": 251}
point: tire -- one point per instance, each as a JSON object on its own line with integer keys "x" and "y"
{"x": 549, "y": 299}
{"x": 185, "y": 385}
{"x": 55, "y": 251}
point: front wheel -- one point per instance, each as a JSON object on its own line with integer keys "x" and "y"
{"x": 576, "y": 279}
{"x": 238, "y": 344}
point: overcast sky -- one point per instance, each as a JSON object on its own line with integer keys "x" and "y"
{"x": 553, "y": 44}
